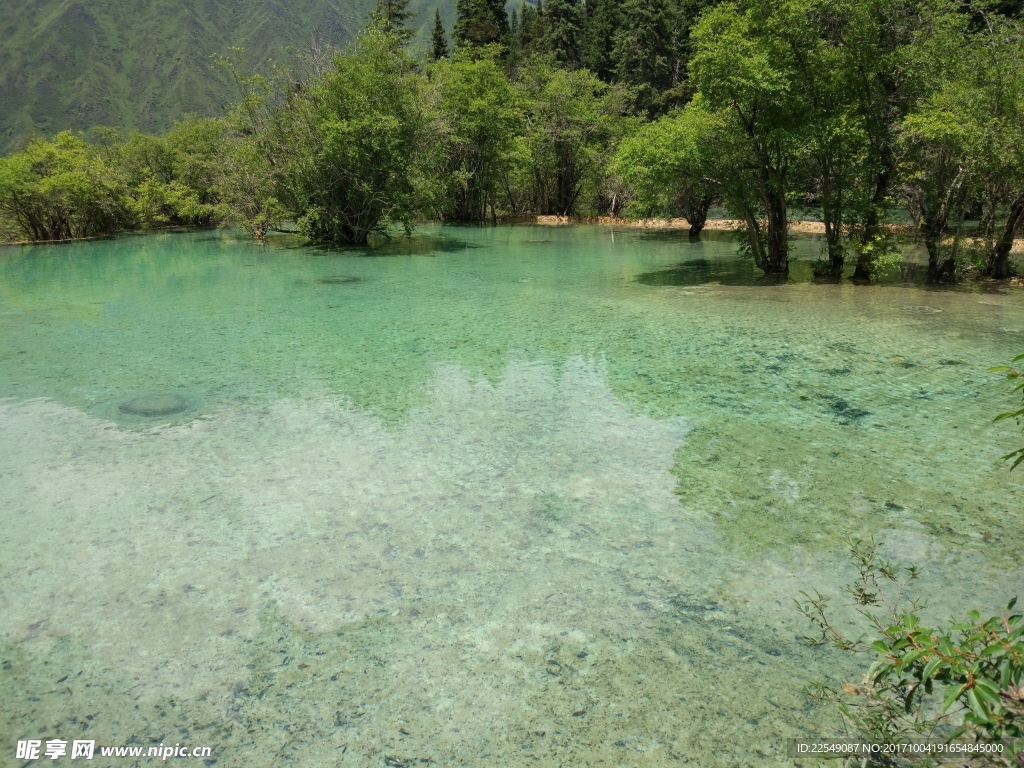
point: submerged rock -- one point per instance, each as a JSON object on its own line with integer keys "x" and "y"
{"x": 155, "y": 405}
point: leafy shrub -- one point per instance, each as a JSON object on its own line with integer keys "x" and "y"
{"x": 62, "y": 189}
{"x": 961, "y": 682}
{"x": 1017, "y": 379}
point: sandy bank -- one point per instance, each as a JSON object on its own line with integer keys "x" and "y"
{"x": 801, "y": 227}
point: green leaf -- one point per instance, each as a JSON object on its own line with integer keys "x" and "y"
{"x": 952, "y": 695}
{"x": 988, "y": 691}
{"x": 880, "y": 646}
{"x": 978, "y": 706}
{"x": 930, "y": 668}
{"x": 991, "y": 650}
{"x": 913, "y": 656}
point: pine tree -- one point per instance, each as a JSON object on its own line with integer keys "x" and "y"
{"x": 438, "y": 38}
{"x": 688, "y": 14}
{"x": 563, "y": 31}
{"x": 514, "y": 42}
{"x": 597, "y": 41}
{"x": 498, "y": 15}
{"x": 475, "y": 23}
{"x": 392, "y": 16}
{"x": 644, "y": 50}
{"x": 531, "y": 28}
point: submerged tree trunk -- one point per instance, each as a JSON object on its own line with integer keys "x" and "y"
{"x": 999, "y": 260}
{"x": 696, "y": 213}
{"x": 931, "y": 201}
{"x": 754, "y": 236}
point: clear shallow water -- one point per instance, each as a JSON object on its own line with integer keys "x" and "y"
{"x": 512, "y": 496}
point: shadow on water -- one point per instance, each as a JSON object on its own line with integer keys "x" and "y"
{"x": 413, "y": 245}
{"x": 731, "y": 271}
{"x": 739, "y": 271}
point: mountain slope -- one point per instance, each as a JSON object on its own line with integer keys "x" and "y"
{"x": 143, "y": 63}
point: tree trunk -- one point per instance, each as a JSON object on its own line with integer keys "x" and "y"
{"x": 833, "y": 242}
{"x": 832, "y": 218}
{"x": 754, "y": 235}
{"x": 865, "y": 261}
{"x": 999, "y": 260}
{"x": 697, "y": 216}
{"x": 938, "y": 272}
{"x": 777, "y": 235}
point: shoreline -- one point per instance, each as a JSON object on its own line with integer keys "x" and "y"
{"x": 798, "y": 226}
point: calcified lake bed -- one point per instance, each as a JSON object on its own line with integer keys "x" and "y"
{"x": 504, "y": 496}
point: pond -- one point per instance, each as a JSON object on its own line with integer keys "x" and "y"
{"x": 487, "y": 496}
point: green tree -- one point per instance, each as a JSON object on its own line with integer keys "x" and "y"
{"x": 392, "y": 16}
{"x": 532, "y": 38}
{"x": 834, "y": 152}
{"x": 197, "y": 145}
{"x": 342, "y": 154}
{"x": 62, "y": 190}
{"x": 744, "y": 68}
{"x": 597, "y": 38}
{"x": 479, "y": 121}
{"x": 172, "y": 179}
{"x": 937, "y": 142}
{"x": 563, "y": 23}
{"x": 249, "y": 185}
{"x": 438, "y": 39}
{"x": 645, "y": 54}
{"x": 990, "y": 93}
{"x": 500, "y": 17}
{"x": 574, "y": 122}
{"x": 477, "y": 23}
{"x": 935, "y": 173}
{"x": 673, "y": 167}
{"x": 878, "y": 47}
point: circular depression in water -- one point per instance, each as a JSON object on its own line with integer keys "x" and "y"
{"x": 155, "y": 405}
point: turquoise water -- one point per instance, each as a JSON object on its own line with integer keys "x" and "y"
{"x": 511, "y": 496}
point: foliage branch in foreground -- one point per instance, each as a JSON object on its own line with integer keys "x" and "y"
{"x": 964, "y": 681}
{"x": 1016, "y": 377}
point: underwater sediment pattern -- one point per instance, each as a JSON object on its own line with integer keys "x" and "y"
{"x": 511, "y": 496}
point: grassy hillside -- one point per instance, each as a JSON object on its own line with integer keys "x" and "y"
{"x": 143, "y": 63}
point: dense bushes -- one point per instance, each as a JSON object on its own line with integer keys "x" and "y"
{"x": 72, "y": 188}
{"x": 62, "y": 189}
